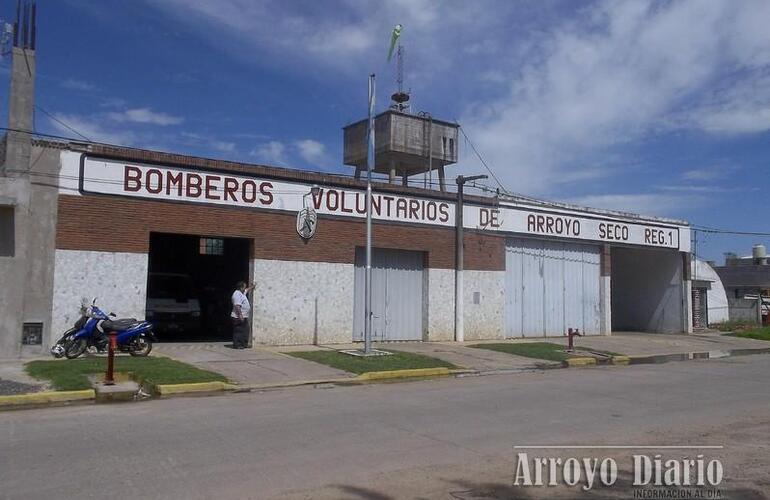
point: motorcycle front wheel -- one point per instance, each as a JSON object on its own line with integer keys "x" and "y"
{"x": 140, "y": 346}
{"x": 75, "y": 347}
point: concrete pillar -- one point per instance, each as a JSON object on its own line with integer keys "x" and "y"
{"x": 392, "y": 173}
{"x": 20, "y": 104}
{"x": 441, "y": 179}
{"x": 605, "y": 291}
{"x": 404, "y": 178}
{"x": 358, "y": 172}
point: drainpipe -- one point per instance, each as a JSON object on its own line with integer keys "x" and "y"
{"x": 459, "y": 326}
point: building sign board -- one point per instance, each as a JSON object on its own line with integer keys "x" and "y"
{"x": 165, "y": 183}
{"x": 535, "y": 222}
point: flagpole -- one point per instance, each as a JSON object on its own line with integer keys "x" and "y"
{"x": 369, "y": 167}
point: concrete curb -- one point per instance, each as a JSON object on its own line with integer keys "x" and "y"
{"x": 46, "y": 398}
{"x": 416, "y": 372}
{"x": 620, "y": 360}
{"x": 576, "y": 362}
{"x": 165, "y": 390}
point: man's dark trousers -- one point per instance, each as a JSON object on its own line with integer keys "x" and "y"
{"x": 240, "y": 333}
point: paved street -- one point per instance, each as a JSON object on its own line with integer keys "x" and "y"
{"x": 448, "y": 438}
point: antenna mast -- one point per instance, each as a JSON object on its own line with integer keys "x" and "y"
{"x": 400, "y": 98}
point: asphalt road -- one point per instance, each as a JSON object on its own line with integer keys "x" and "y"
{"x": 450, "y": 438}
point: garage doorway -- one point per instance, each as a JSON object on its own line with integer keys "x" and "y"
{"x": 551, "y": 286}
{"x": 190, "y": 281}
{"x": 646, "y": 290}
{"x": 397, "y": 295}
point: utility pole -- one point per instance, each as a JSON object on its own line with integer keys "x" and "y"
{"x": 459, "y": 327}
{"x": 369, "y": 167}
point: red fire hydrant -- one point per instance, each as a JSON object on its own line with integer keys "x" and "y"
{"x": 109, "y": 377}
{"x": 571, "y": 334}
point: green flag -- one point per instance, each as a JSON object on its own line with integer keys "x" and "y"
{"x": 393, "y": 39}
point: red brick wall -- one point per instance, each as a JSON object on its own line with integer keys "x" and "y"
{"x": 115, "y": 224}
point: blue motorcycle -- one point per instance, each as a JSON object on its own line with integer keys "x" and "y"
{"x": 133, "y": 336}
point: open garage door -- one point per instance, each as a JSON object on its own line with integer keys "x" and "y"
{"x": 397, "y": 294}
{"x": 647, "y": 290}
{"x": 191, "y": 279}
{"x": 551, "y": 286}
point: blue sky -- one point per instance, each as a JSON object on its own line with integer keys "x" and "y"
{"x": 661, "y": 108}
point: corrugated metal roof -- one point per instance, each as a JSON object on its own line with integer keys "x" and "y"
{"x": 744, "y": 276}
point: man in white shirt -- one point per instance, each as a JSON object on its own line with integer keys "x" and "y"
{"x": 240, "y": 315}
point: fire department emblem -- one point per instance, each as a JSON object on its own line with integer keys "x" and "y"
{"x": 306, "y": 223}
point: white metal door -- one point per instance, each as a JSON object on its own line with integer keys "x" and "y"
{"x": 550, "y": 287}
{"x": 397, "y": 294}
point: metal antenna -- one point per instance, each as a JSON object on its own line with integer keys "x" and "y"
{"x": 400, "y": 68}
{"x": 400, "y": 98}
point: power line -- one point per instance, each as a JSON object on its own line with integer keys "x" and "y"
{"x": 57, "y": 120}
{"x": 711, "y": 230}
{"x": 481, "y": 159}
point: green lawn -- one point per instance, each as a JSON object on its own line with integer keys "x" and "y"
{"x": 757, "y": 333}
{"x": 539, "y": 350}
{"x": 358, "y": 364}
{"x": 71, "y": 375}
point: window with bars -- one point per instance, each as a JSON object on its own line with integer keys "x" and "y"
{"x": 212, "y": 246}
{"x": 32, "y": 334}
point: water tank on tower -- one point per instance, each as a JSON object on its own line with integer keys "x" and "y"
{"x": 405, "y": 145}
{"x": 759, "y": 253}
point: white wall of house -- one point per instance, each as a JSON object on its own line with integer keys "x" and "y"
{"x": 117, "y": 280}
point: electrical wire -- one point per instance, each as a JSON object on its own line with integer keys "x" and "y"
{"x": 711, "y": 230}
{"x": 481, "y": 159}
{"x": 57, "y": 120}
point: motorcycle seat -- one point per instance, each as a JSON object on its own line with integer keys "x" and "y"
{"x": 117, "y": 325}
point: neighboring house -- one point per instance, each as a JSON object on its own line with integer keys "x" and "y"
{"x": 746, "y": 280}
{"x": 709, "y": 300}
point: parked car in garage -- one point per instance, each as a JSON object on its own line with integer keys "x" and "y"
{"x": 172, "y": 304}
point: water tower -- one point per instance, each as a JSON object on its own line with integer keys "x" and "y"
{"x": 406, "y": 144}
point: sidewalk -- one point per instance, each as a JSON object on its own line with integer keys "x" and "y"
{"x": 271, "y": 366}
{"x": 249, "y": 366}
{"x": 652, "y": 344}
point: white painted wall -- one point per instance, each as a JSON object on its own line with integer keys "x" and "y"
{"x": 302, "y": 302}
{"x": 647, "y": 287}
{"x": 717, "y": 297}
{"x": 117, "y": 280}
{"x": 441, "y": 304}
{"x": 484, "y": 320}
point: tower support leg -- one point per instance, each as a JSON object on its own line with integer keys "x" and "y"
{"x": 442, "y": 179}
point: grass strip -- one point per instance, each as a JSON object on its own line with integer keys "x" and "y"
{"x": 537, "y": 350}
{"x": 359, "y": 364}
{"x": 756, "y": 334}
{"x": 72, "y": 375}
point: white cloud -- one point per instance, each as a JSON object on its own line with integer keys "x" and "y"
{"x": 92, "y": 128}
{"x": 223, "y": 146}
{"x": 613, "y": 75}
{"x": 348, "y": 36}
{"x": 710, "y": 173}
{"x": 311, "y": 151}
{"x": 75, "y": 84}
{"x": 272, "y": 152}
{"x": 661, "y": 204}
{"x": 145, "y": 115}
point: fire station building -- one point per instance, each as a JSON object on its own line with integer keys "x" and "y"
{"x": 166, "y": 237}
{"x": 115, "y": 223}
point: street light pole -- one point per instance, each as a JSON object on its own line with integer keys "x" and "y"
{"x": 369, "y": 167}
{"x": 459, "y": 304}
